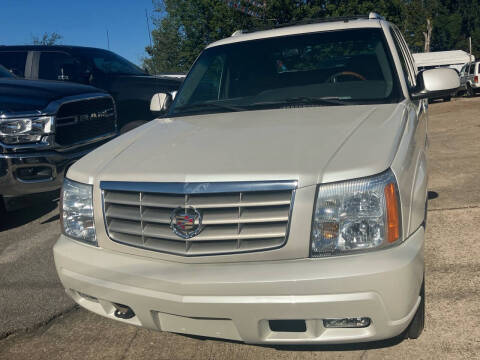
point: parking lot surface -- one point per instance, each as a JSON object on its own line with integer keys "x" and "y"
{"x": 38, "y": 321}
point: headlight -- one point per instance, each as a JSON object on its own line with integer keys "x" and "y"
{"x": 356, "y": 215}
{"x": 77, "y": 212}
{"x": 25, "y": 130}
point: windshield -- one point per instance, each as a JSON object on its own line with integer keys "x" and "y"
{"x": 4, "y": 73}
{"x": 328, "y": 68}
{"x": 111, "y": 63}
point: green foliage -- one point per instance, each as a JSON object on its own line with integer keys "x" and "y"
{"x": 184, "y": 27}
{"x": 47, "y": 39}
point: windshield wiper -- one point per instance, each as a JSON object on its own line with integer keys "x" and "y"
{"x": 327, "y": 100}
{"x": 208, "y": 105}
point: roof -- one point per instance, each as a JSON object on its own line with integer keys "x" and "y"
{"x": 48, "y": 47}
{"x": 442, "y": 58}
{"x": 354, "y": 23}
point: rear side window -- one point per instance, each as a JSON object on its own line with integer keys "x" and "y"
{"x": 472, "y": 69}
{"x": 58, "y": 66}
{"x": 14, "y": 61}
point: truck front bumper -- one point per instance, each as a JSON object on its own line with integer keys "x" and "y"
{"x": 28, "y": 173}
{"x": 237, "y": 300}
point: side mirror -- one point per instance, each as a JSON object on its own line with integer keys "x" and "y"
{"x": 436, "y": 83}
{"x": 161, "y": 102}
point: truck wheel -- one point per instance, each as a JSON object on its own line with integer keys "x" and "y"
{"x": 416, "y": 326}
{"x": 470, "y": 91}
{"x": 131, "y": 125}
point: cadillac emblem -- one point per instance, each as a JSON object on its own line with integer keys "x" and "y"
{"x": 186, "y": 222}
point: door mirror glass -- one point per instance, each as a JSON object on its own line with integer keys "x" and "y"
{"x": 436, "y": 83}
{"x": 161, "y": 102}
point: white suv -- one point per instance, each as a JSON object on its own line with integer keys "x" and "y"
{"x": 469, "y": 81}
{"x": 283, "y": 200}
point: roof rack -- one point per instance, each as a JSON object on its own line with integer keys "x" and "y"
{"x": 371, "y": 16}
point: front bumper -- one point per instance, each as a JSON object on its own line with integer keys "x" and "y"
{"x": 53, "y": 163}
{"x": 236, "y": 300}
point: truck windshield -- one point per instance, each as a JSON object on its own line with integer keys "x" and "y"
{"x": 111, "y": 63}
{"x": 328, "y": 69}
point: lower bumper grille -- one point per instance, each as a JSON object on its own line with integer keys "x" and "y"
{"x": 196, "y": 223}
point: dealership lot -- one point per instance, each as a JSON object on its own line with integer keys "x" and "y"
{"x": 38, "y": 321}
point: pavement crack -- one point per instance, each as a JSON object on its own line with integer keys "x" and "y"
{"x": 456, "y": 208}
{"x": 129, "y": 345}
{"x": 43, "y": 324}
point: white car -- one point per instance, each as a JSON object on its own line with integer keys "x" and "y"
{"x": 469, "y": 78}
{"x": 281, "y": 201}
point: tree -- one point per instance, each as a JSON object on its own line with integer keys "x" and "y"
{"x": 47, "y": 39}
{"x": 184, "y": 27}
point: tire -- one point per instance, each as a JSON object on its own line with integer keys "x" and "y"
{"x": 447, "y": 99}
{"x": 470, "y": 92}
{"x": 415, "y": 328}
{"x": 131, "y": 125}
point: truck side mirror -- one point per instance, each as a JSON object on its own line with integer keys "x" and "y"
{"x": 436, "y": 83}
{"x": 161, "y": 102}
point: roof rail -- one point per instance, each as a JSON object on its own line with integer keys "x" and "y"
{"x": 238, "y": 32}
{"x": 374, "y": 15}
{"x": 313, "y": 21}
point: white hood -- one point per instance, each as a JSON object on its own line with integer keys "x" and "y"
{"x": 309, "y": 144}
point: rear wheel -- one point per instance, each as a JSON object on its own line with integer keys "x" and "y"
{"x": 415, "y": 328}
{"x": 470, "y": 91}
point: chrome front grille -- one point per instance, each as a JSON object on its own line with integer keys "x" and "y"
{"x": 236, "y": 217}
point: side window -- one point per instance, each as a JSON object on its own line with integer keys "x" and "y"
{"x": 408, "y": 56}
{"x": 472, "y": 69}
{"x": 58, "y": 66}
{"x": 403, "y": 61}
{"x": 14, "y": 61}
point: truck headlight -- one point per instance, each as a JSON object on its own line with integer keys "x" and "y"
{"x": 77, "y": 211}
{"x": 356, "y": 215}
{"x": 25, "y": 130}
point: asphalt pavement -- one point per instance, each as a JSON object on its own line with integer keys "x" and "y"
{"x": 38, "y": 321}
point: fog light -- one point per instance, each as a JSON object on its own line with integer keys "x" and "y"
{"x": 359, "y": 322}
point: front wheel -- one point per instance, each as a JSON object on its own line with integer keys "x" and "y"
{"x": 415, "y": 328}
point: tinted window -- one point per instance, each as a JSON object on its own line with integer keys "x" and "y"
{"x": 14, "y": 61}
{"x": 338, "y": 67}
{"x": 58, "y": 66}
{"x": 111, "y": 63}
{"x": 472, "y": 69}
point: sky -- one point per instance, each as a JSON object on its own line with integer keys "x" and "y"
{"x": 80, "y": 22}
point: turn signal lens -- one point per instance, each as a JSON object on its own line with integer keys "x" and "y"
{"x": 393, "y": 216}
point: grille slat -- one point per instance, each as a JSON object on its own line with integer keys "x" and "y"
{"x": 85, "y": 119}
{"x": 232, "y": 222}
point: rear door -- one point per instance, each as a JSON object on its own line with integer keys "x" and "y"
{"x": 15, "y": 62}
{"x": 61, "y": 66}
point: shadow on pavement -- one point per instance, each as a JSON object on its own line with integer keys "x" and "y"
{"x": 334, "y": 347}
{"x": 33, "y": 208}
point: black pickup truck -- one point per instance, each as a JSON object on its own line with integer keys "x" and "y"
{"x": 131, "y": 87}
{"x": 45, "y": 126}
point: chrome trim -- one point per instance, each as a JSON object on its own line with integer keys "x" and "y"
{"x": 198, "y": 187}
{"x": 52, "y": 107}
{"x": 218, "y": 187}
